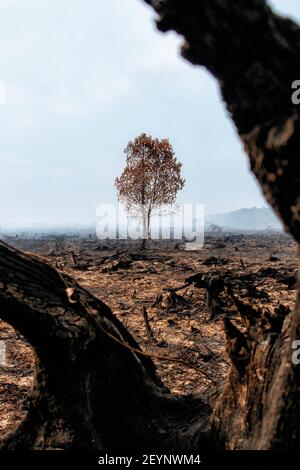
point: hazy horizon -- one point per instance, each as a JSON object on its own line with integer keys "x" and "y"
{"x": 92, "y": 224}
{"x": 79, "y": 86}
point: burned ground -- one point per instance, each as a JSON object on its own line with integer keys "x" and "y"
{"x": 184, "y": 326}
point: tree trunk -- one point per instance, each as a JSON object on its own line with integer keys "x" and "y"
{"x": 93, "y": 388}
{"x": 146, "y": 215}
{"x": 255, "y": 55}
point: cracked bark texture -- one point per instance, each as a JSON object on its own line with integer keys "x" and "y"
{"x": 255, "y": 56}
{"x": 90, "y": 391}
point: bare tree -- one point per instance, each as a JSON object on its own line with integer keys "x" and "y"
{"x": 150, "y": 180}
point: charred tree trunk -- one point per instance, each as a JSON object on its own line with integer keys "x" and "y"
{"x": 148, "y": 328}
{"x": 93, "y": 387}
{"x": 254, "y": 54}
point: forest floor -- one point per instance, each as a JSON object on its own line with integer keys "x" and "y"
{"x": 183, "y": 326}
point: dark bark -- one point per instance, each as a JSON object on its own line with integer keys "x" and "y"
{"x": 255, "y": 55}
{"x": 90, "y": 390}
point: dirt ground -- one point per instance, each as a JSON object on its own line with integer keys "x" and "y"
{"x": 130, "y": 281}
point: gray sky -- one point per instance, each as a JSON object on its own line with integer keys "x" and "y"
{"x": 83, "y": 78}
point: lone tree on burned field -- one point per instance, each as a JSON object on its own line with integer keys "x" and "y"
{"x": 150, "y": 180}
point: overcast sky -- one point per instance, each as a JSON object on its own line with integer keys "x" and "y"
{"x": 84, "y": 77}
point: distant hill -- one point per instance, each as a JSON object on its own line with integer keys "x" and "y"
{"x": 246, "y": 219}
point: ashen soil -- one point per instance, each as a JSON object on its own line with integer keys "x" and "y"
{"x": 128, "y": 280}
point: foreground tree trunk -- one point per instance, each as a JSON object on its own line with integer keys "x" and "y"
{"x": 255, "y": 55}
{"x": 93, "y": 388}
